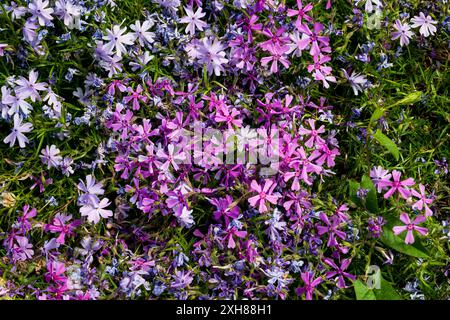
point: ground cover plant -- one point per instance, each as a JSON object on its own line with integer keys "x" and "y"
{"x": 246, "y": 149}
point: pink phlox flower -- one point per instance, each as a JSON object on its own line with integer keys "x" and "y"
{"x": 423, "y": 201}
{"x": 331, "y": 228}
{"x": 265, "y": 194}
{"x": 397, "y": 185}
{"x": 313, "y": 133}
{"x": 135, "y": 96}
{"x": 339, "y": 271}
{"x": 300, "y": 13}
{"x": 309, "y": 284}
{"x": 409, "y": 227}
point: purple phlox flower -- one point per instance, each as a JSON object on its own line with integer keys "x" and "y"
{"x": 230, "y": 234}
{"x": 121, "y": 122}
{"x": 23, "y": 222}
{"x": 22, "y": 249}
{"x": 224, "y": 115}
{"x": 357, "y": 81}
{"x": 16, "y": 103}
{"x": 28, "y": 88}
{"x": 339, "y": 271}
{"x": 313, "y": 38}
{"x": 313, "y": 133}
{"x": 423, "y": 201}
{"x": 410, "y": 226}
{"x": 375, "y": 226}
{"x": 300, "y": 13}
{"x": 55, "y": 272}
{"x": 426, "y": 24}
{"x": 397, "y": 185}
{"x": 277, "y": 43}
{"x": 141, "y": 265}
{"x": 331, "y": 227}
{"x": 403, "y": 32}
{"x": 40, "y": 11}
{"x": 309, "y": 284}
{"x": 95, "y": 211}
{"x": 135, "y": 96}
{"x": 264, "y": 194}
{"x": 171, "y": 157}
{"x": 185, "y": 218}
{"x": 378, "y": 174}
{"x": 60, "y": 225}
{"x": 325, "y": 154}
{"x": 277, "y": 56}
{"x": 275, "y": 225}
{"x": 91, "y": 190}
{"x": 117, "y": 39}
{"x": 181, "y": 279}
{"x": 250, "y": 25}
{"x": 50, "y": 156}
{"x": 225, "y": 209}
{"x": 304, "y": 163}
{"x": 116, "y": 84}
{"x": 41, "y": 182}
{"x": 193, "y": 20}
{"x": 141, "y": 32}
{"x": 17, "y": 133}
{"x": 212, "y": 54}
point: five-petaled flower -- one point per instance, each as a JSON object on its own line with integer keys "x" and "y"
{"x": 410, "y": 226}
{"x": 264, "y": 194}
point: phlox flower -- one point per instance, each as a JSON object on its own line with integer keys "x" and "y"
{"x": 313, "y": 133}
{"x": 40, "y": 11}
{"x": 135, "y": 96}
{"x": 410, "y": 226}
{"x": 171, "y": 157}
{"x": 331, "y": 227}
{"x": 309, "y": 284}
{"x": 60, "y": 225}
{"x": 403, "y": 32}
{"x": 339, "y": 271}
{"x": 22, "y": 249}
{"x": 300, "y": 13}
{"x": 211, "y": 53}
{"x": 185, "y": 218}
{"x": 264, "y": 194}
{"x": 356, "y": 80}
{"x": 18, "y": 131}
{"x": 69, "y": 12}
{"x": 397, "y": 185}
{"x": 378, "y": 174}
{"x": 230, "y": 234}
{"x": 28, "y": 88}
{"x": 425, "y": 23}
{"x": 117, "y": 39}
{"x": 141, "y": 32}
{"x": 50, "y": 156}
{"x": 193, "y": 20}
{"x": 423, "y": 201}
{"x": 95, "y": 211}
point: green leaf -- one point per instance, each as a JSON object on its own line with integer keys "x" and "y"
{"x": 377, "y": 114}
{"x": 387, "y": 143}
{"x": 362, "y": 292}
{"x": 386, "y": 291}
{"x": 409, "y": 99}
{"x": 371, "y": 198}
{"x": 353, "y": 188}
{"x": 396, "y": 242}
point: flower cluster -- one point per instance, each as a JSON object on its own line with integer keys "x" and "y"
{"x": 210, "y": 149}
